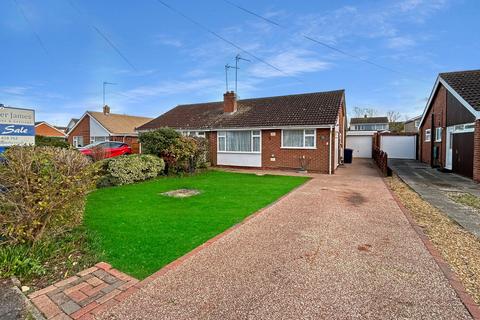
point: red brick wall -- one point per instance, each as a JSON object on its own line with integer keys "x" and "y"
{"x": 82, "y": 129}
{"x": 438, "y": 109}
{"x": 212, "y": 139}
{"x": 316, "y": 159}
{"x": 476, "y": 152}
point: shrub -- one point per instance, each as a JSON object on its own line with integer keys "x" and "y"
{"x": 129, "y": 169}
{"x": 155, "y": 142}
{"x": 180, "y": 155}
{"x": 202, "y": 155}
{"x": 41, "y": 141}
{"x": 43, "y": 192}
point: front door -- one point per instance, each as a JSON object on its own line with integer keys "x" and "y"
{"x": 462, "y": 153}
{"x": 448, "y": 156}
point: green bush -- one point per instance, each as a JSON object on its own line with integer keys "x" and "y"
{"x": 180, "y": 155}
{"x": 41, "y": 141}
{"x": 129, "y": 169}
{"x": 43, "y": 192}
{"x": 155, "y": 142}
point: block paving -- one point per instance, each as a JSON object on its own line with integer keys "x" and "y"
{"x": 86, "y": 294}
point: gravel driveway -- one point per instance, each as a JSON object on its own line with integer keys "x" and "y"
{"x": 338, "y": 247}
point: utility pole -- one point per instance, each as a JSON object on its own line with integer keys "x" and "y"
{"x": 105, "y": 83}
{"x": 237, "y": 59}
{"x": 227, "y": 66}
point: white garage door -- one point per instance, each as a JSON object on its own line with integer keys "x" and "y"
{"x": 361, "y": 145}
{"x": 399, "y": 147}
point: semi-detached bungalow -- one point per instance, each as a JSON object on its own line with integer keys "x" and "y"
{"x": 105, "y": 126}
{"x": 301, "y": 131}
{"x": 450, "y": 126}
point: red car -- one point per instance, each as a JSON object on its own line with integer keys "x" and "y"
{"x": 111, "y": 149}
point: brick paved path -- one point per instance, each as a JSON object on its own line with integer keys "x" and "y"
{"x": 338, "y": 247}
{"x": 82, "y": 296}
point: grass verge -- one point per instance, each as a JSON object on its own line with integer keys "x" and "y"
{"x": 466, "y": 199}
{"x": 141, "y": 230}
{"x": 459, "y": 248}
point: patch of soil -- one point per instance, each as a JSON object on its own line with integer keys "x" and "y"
{"x": 458, "y": 247}
{"x": 181, "y": 193}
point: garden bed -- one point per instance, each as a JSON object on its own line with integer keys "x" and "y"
{"x": 140, "y": 230}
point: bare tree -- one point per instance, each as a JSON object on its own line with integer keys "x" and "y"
{"x": 393, "y": 116}
{"x": 362, "y": 112}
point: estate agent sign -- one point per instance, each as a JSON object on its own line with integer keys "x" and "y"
{"x": 17, "y": 126}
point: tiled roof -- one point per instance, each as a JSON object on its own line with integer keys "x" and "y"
{"x": 369, "y": 120}
{"x": 119, "y": 123}
{"x": 466, "y": 84}
{"x": 309, "y": 109}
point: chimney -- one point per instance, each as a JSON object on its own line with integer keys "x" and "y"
{"x": 106, "y": 109}
{"x": 229, "y": 102}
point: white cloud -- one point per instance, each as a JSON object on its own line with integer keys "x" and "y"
{"x": 293, "y": 63}
{"x": 174, "y": 87}
{"x": 400, "y": 42}
{"x": 15, "y": 90}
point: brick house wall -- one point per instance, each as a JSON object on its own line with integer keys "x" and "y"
{"x": 316, "y": 159}
{"x": 47, "y": 131}
{"x": 438, "y": 110}
{"x": 212, "y": 142}
{"x": 82, "y": 129}
{"x": 476, "y": 152}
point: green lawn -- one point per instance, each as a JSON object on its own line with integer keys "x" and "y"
{"x": 140, "y": 230}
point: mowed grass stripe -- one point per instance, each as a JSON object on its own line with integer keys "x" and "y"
{"x": 141, "y": 231}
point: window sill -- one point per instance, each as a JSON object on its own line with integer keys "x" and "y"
{"x": 240, "y": 152}
{"x": 299, "y": 148}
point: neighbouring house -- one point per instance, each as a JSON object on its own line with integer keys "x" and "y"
{"x": 71, "y": 124}
{"x": 369, "y": 124}
{"x": 412, "y": 124}
{"x": 450, "y": 126}
{"x": 105, "y": 126}
{"x": 301, "y": 131}
{"x": 43, "y": 128}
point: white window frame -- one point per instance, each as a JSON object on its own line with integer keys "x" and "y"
{"x": 253, "y": 134}
{"x": 438, "y": 134}
{"x": 467, "y": 127}
{"x": 75, "y": 141}
{"x": 304, "y": 135}
{"x": 94, "y": 139}
{"x": 428, "y": 135}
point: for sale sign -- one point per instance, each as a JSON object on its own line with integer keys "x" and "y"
{"x": 17, "y": 126}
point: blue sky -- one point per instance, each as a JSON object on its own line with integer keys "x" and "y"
{"x": 55, "y": 62}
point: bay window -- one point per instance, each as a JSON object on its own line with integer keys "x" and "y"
{"x": 299, "y": 138}
{"x": 239, "y": 141}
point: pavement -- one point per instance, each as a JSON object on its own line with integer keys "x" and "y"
{"x": 434, "y": 186}
{"x": 338, "y": 247}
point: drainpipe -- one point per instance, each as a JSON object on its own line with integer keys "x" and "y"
{"x": 330, "y": 152}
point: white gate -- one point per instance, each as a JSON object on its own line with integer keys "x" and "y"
{"x": 399, "y": 147}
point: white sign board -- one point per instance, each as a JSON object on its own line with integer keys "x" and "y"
{"x": 17, "y": 126}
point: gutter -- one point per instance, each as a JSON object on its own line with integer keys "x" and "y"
{"x": 330, "y": 152}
